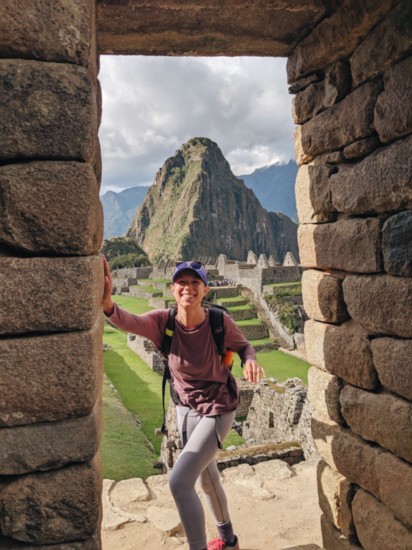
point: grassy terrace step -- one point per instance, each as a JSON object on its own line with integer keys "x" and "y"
{"x": 220, "y": 292}
{"x": 242, "y": 314}
{"x": 141, "y": 291}
{"x": 233, "y": 301}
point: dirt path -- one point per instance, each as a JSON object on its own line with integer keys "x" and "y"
{"x": 278, "y": 513}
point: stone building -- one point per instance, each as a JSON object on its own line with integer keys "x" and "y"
{"x": 349, "y": 66}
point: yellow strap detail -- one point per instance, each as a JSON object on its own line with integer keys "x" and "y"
{"x": 169, "y": 332}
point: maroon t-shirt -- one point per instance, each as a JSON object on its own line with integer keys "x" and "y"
{"x": 200, "y": 377}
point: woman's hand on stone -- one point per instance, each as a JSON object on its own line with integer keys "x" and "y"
{"x": 253, "y": 372}
{"x": 107, "y": 302}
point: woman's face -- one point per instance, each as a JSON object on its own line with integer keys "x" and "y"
{"x": 188, "y": 290}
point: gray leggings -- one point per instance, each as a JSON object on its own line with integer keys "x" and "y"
{"x": 197, "y": 461}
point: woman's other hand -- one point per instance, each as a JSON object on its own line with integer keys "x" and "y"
{"x": 107, "y": 302}
{"x": 253, "y": 372}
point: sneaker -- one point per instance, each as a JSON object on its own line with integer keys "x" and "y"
{"x": 218, "y": 544}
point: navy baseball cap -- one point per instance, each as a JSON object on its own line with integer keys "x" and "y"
{"x": 195, "y": 267}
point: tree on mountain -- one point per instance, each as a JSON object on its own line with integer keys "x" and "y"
{"x": 124, "y": 252}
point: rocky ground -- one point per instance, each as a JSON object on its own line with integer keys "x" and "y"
{"x": 273, "y": 507}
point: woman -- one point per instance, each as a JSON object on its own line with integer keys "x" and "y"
{"x": 207, "y": 392}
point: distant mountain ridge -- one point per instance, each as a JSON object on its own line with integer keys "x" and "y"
{"x": 197, "y": 207}
{"x": 273, "y": 185}
{"x": 120, "y": 208}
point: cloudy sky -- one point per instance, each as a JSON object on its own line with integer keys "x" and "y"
{"x": 152, "y": 105}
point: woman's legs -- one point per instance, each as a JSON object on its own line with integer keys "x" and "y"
{"x": 198, "y": 455}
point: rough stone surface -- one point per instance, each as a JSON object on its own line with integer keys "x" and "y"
{"x": 48, "y": 111}
{"x": 381, "y": 304}
{"x": 324, "y": 390}
{"x": 301, "y": 156}
{"x": 384, "y": 45}
{"x": 48, "y": 31}
{"x": 70, "y": 496}
{"x": 395, "y": 485}
{"x": 165, "y": 519}
{"x": 376, "y": 526}
{"x": 164, "y": 28}
{"x": 381, "y": 473}
{"x": 347, "y": 354}
{"x": 347, "y": 491}
{"x": 393, "y": 361}
{"x": 313, "y": 196}
{"x": 303, "y": 83}
{"x": 336, "y": 36}
{"x": 343, "y": 351}
{"x": 70, "y": 220}
{"x": 49, "y": 378}
{"x": 393, "y": 111}
{"x": 323, "y": 297}
{"x": 356, "y": 460}
{"x": 349, "y": 120}
{"x": 113, "y": 516}
{"x": 397, "y": 244}
{"x": 383, "y": 418}
{"x": 129, "y": 491}
{"x": 321, "y": 95}
{"x": 315, "y": 333}
{"x": 361, "y": 148}
{"x": 332, "y": 537}
{"x": 93, "y": 543}
{"x": 36, "y": 290}
{"x": 347, "y": 245}
{"x": 329, "y": 492}
{"x": 379, "y": 183}
{"x": 324, "y": 435}
{"x": 49, "y": 445}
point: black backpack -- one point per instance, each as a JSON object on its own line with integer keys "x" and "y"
{"x": 217, "y": 326}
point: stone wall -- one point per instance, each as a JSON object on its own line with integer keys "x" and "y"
{"x": 279, "y": 412}
{"x": 146, "y": 351}
{"x": 51, "y": 280}
{"x": 352, "y": 80}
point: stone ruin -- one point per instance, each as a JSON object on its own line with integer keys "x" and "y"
{"x": 349, "y": 69}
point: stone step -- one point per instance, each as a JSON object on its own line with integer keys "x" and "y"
{"x": 242, "y": 314}
{"x": 140, "y": 292}
{"x": 217, "y": 292}
{"x": 254, "y": 332}
{"x": 233, "y": 303}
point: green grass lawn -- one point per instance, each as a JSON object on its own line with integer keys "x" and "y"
{"x": 278, "y": 365}
{"x": 126, "y": 450}
{"x": 133, "y": 305}
{"x": 139, "y": 387}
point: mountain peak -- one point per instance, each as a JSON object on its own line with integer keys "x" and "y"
{"x": 197, "y": 207}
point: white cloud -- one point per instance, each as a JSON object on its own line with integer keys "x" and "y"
{"x": 152, "y": 105}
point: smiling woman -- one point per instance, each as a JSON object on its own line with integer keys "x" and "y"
{"x": 205, "y": 391}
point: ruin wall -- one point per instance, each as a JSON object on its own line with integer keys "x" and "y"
{"x": 352, "y": 83}
{"x": 51, "y": 277}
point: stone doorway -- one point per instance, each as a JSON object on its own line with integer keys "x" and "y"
{"x": 349, "y": 65}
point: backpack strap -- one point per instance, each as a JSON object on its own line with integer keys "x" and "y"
{"x": 217, "y": 326}
{"x": 165, "y": 350}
